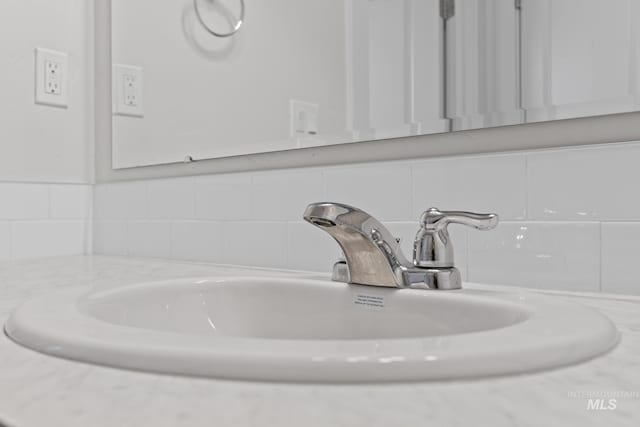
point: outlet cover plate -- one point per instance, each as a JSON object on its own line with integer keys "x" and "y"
{"x": 303, "y": 118}
{"x": 127, "y": 91}
{"x": 51, "y": 78}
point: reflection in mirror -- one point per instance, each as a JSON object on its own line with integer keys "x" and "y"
{"x": 303, "y": 73}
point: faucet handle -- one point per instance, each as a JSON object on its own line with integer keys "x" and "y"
{"x": 432, "y": 247}
{"x": 435, "y": 219}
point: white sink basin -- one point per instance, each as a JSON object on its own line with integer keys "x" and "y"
{"x": 287, "y": 329}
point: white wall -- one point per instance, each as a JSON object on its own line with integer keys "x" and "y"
{"x": 41, "y": 143}
{"x": 569, "y": 217}
{"x": 46, "y": 153}
{"x": 210, "y": 97}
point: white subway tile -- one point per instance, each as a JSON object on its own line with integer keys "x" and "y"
{"x": 110, "y": 237}
{"x": 585, "y": 183}
{"x": 406, "y": 231}
{"x": 197, "y": 241}
{"x": 101, "y": 202}
{"x": 577, "y": 185}
{"x": 5, "y": 240}
{"x": 260, "y": 244}
{"x": 223, "y": 197}
{"x": 537, "y": 255}
{"x": 149, "y": 238}
{"x": 620, "y": 255}
{"x": 30, "y": 239}
{"x": 171, "y": 198}
{"x": 127, "y": 200}
{"x": 382, "y": 189}
{"x": 70, "y": 201}
{"x": 24, "y": 201}
{"x": 283, "y": 195}
{"x": 310, "y": 249}
{"x": 495, "y": 184}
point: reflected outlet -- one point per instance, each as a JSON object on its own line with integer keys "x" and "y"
{"x": 127, "y": 90}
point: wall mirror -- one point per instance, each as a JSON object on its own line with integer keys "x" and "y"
{"x": 287, "y": 74}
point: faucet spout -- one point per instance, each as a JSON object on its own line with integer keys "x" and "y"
{"x": 372, "y": 254}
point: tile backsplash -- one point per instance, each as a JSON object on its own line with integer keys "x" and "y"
{"x": 44, "y": 220}
{"x": 561, "y": 215}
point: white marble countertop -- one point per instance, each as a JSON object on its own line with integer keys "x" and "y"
{"x": 39, "y": 390}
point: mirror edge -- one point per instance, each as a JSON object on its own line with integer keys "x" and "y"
{"x": 613, "y": 128}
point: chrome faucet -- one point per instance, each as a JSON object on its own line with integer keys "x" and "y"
{"x": 373, "y": 256}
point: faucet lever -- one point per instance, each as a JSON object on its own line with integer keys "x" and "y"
{"x": 432, "y": 247}
{"x": 436, "y": 219}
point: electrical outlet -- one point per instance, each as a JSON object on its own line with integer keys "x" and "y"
{"x": 127, "y": 91}
{"x": 303, "y": 118}
{"x": 51, "y": 78}
{"x": 130, "y": 96}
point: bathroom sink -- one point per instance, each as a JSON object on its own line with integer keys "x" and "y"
{"x": 292, "y": 329}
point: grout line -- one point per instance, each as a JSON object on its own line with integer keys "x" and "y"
{"x": 146, "y": 200}
{"x": 44, "y": 220}
{"x": 594, "y": 221}
{"x": 126, "y": 250}
{"x": 325, "y": 187}
{"x": 412, "y": 202}
{"x": 11, "y": 249}
{"x": 49, "y": 201}
{"x": 295, "y": 220}
{"x": 527, "y": 190}
{"x": 193, "y": 191}
{"x": 89, "y": 222}
{"x": 600, "y": 261}
{"x": 301, "y": 221}
{"x": 252, "y": 201}
{"x": 170, "y": 248}
{"x": 286, "y": 244}
{"x": 468, "y": 254}
{"x": 13, "y": 181}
